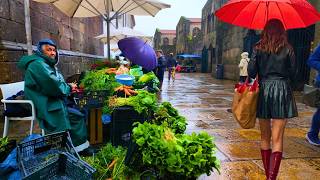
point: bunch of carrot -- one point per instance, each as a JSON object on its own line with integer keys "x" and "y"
{"x": 128, "y": 90}
{"x": 111, "y": 70}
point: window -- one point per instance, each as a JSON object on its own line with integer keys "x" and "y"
{"x": 174, "y": 41}
{"x": 195, "y": 32}
{"x": 208, "y": 23}
{"x": 165, "y": 41}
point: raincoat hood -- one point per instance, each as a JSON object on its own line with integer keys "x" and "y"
{"x": 244, "y": 55}
{"x": 39, "y": 52}
{"x": 25, "y": 60}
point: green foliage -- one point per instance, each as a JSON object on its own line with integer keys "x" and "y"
{"x": 3, "y": 142}
{"x": 150, "y": 80}
{"x": 97, "y": 80}
{"x": 166, "y": 114}
{"x": 186, "y": 155}
{"x": 147, "y": 77}
{"x": 102, "y": 160}
{"x": 144, "y": 103}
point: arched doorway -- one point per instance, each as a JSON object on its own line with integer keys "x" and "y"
{"x": 301, "y": 39}
{"x": 204, "y": 60}
{"x": 211, "y": 56}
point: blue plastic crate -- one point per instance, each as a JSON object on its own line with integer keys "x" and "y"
{"x": 35, "y": 154}
{"x": 63, "y": 166}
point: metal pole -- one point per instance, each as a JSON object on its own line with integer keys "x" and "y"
{"x": 108, "y": 19}
{"x": 28, "y": 25}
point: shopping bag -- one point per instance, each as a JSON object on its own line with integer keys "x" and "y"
{"x": 244, "y": 104}
{"x": 311, "y": 96}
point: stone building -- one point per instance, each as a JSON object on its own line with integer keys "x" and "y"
{"x": 189, "y": 36}
{"x": 209, "y": 37}
{"x": 74, "y": 36}
{"x": 165, "y": 40}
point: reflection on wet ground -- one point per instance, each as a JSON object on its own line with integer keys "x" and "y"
{"x": 206, "y": 103}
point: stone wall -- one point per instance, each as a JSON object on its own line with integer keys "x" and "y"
{"x": 71, "y": 34}
{"x": 230, "y": 44}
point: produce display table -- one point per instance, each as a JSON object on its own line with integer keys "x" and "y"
{"x": 95, "y": 126}
{"x": 121, "y": 128}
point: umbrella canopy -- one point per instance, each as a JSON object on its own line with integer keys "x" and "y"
{"x": 254, "y": 14}
{"x": 117, "y": 34}
{"x": 91, "y": 8}
{"x": 139, "y": 52}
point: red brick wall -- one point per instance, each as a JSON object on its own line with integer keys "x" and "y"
{"x": 72, "y": 34}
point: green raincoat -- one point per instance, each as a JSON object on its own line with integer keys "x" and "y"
{"x": 46, "y": 87}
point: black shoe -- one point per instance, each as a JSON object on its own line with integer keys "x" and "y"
{"x": 90, "y": 151}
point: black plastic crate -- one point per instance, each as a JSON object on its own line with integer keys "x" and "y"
{"x": 122, "y": 120}
{"x": 37, "y": 153}
{"x": 90, "y": 99}
{"x": 63, "y": 166}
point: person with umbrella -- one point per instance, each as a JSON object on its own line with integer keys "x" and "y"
{"x": 273, "y": 61}
{"x": 47, "y": 89}
{"x": 161, "y": 67}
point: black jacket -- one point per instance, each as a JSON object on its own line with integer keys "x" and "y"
{"x": 171, "y": 62}
{"x": 269, "y": 66}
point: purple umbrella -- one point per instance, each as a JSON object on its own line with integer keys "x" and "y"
{"x": 139, "y": 52}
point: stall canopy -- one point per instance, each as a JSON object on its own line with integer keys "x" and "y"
{"x": 188, "y": 56}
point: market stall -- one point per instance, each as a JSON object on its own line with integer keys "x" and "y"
{"x": 138, "y": 136}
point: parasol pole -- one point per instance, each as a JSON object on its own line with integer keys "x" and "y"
{"x": 108, "y": 31}
{"x": 108, "y": 38}
{"x": 28, "y": 26}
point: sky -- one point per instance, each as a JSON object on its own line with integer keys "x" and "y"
{"x": 168, "y": 18}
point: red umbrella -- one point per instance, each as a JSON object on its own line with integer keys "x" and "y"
{"x": 254, "y": 14}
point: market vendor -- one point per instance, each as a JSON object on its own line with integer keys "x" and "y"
{"x": 47, "y": 89}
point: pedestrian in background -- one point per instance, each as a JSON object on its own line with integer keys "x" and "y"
{"x": 243, "y": 66}
{"x": 171, "y": 65}
{"x": 273, "y": 62}
{"x": 161, "y": 67}
{"x": 313, "y": 134}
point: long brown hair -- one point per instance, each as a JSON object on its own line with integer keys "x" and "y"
{"x": 273, "y": 37}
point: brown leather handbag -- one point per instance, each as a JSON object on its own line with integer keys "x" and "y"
{"x": 244, "y": 105}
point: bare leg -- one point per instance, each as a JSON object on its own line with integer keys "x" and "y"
{"x": 278, "y": 126}
{"x": 265, "y": 128}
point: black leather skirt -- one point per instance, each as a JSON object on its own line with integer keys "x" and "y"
{"x": 276, "y": 100}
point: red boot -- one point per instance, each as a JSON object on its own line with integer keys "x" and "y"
{"x": 275, "y": 161}
{"x": 265, "y": 155}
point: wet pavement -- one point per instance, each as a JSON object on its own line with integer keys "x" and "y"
{"x": 205, "y": 102}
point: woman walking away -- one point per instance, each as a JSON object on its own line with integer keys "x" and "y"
{"x": 273, "y": 62}
{"x": 243, "y": 66}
